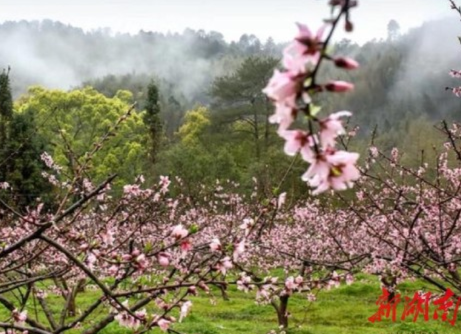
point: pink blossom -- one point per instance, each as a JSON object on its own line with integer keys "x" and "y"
{"x": 339, "y": 86}
{"x": 284, "y": 115}
{"x": 246, "y": 225}
{"x": 141, "y": 262}
{"x": 112, "y": 271}
{"x": 295, "y": 58}
{"x": 131, "y": 190}
{"x": 346, "y": 63}
{"x": 179, "y": 232}
{"x": 331, "y": 128}
{"x": 142, "y": 314}
{"x": 163, "y": 259}
{"x": 244, "y": 283}
{"x": 19, "y": 317}
{"x": 304, "y": 50}
{"x": 164, "y": 324}
{"x": 91, "y": 260}
{"x": 298, "y": 141}
{"x": 126, "y": 320}
{"x": 373, "y": 151}
{"x": 135, "y": 252}
{"x": 395, "y": 154}
{"x": 215, "y": 245}
{"x": 164, "y": 183}
{"x": 192, "y": 290}
{"x": 306, "y": 37}
{"x": 186, "y": 245}
{"x": 224, "y": 264}
{"x": 290, "y": 283}
{"x": 333, "y": 170}
{"x": 239, "y": 250}
{"x": 282, "y": 87}
{"x": 311, "y": 297}
{"x": 203, "y": 286}
{"x": 456, "y": 91}
{"x": 48, "y": 160}
{"x": 455, "y": 74}
{"x": 299, "y": 280}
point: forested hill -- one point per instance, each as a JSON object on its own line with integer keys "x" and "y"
{"x": 401, "y": 79}
{"x": 404, "y": 78}
{"x": 404, "y": 74}
{"x": 210, "y": 118}
{"x": 60, "y": 56}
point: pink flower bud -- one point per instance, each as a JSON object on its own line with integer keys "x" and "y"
{"x": 347, "y": 63}
{"x": 186, "y": 246}
{"x": 135, "y": 252}
{"x": 163, "y": 259}
{"x": 192, "y": 290}
{"x": 339, "y": 86}
{"x": 179, "y": 232}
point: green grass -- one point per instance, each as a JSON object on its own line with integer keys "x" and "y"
{"x": 339, "y": 311}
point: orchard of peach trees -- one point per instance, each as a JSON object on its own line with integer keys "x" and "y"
{"x": 146, "y": 250}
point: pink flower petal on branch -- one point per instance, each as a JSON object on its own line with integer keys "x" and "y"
{"x": 331, "y": 127}
{"x": 282, "y": 87}
{"x": 333, "y": 170}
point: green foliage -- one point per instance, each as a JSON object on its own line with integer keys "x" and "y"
{"x": 75, "y": 121}
{"x": 194, "y": 157}
{"x": 344, "y": 310}
{"x": 6, "y": 99}
{"x": 21, "y": 163}
{"x": 20, "y": 150}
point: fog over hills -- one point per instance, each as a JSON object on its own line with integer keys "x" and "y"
{"x": 61, "y": 56}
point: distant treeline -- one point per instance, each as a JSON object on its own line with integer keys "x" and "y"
{"x": 200, "y": 112}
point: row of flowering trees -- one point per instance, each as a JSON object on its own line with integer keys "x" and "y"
{"x": 152, "y": 251}
{"x": 148, "y": 250}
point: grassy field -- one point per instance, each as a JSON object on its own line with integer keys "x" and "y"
{"x": 344, "y": 310}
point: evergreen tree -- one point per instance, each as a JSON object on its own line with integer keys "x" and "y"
{"x": 21, "y": 147}
{"x": 6, "y": 106}
{"x": 23, "y": 165}
{"x": 152, "y": 120}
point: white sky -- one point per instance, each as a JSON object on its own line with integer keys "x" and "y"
{"x": 232, "y": 18}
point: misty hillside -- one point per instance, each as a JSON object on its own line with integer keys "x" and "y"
{"x": 61, "y": 56}
{"x": 408, "y": 73}
{"x": 399, "y": 87}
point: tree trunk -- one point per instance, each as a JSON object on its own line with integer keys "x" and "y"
{"x": 71, "y": 305}
{"x": 282, "y": 310}
{"x": 390, "y": 285}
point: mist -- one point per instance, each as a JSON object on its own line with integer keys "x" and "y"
{"x": 431, "y": 51}
{"x": 60, "y": 56}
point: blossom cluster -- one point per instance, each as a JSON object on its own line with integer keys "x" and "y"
{"x": 290, "y": 92}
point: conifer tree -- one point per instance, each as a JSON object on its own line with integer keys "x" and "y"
{"x": 152, "y": 120}
{"x": 6, "y": 106}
